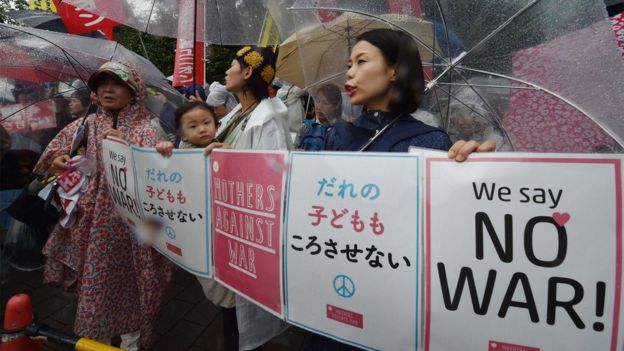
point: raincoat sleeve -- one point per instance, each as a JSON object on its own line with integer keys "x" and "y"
{"x": 60, "y": 145}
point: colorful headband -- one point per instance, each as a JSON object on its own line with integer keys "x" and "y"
{"x": 257, "y": 61}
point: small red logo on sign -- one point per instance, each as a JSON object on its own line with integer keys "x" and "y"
{"x": 176, "y": 250}
{"x": 344, "y": 316}
{"x": 502, "y": 346}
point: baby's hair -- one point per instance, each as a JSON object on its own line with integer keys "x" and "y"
{"x": 188, "y": 107}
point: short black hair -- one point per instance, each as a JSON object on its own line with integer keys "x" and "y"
{"x": 83, "y": 96}
{"x": 189, "y": 106}
{"x": 400, "y": 50}
{"x": 332, "y": 94}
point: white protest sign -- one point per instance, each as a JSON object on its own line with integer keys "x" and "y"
{"x": 523, "y": 253}
{"x": 351, "y": 247}
{"x": 117, "y": 159}
{"x": 174, "y": 195}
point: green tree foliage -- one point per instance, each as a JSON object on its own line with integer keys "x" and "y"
{"x": 218, "y": 60}
{"x": 10, "y": 5}
{"x": 159, "y": 50}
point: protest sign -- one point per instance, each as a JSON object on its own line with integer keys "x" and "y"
{"x": 523, "y": 253}
{"x": 121, "y": 180}
{"x": 351, "y": 250}
{"x": 247, "y": 210}
{"x": 175, "y": 202}
{"x": 37, "y": 116}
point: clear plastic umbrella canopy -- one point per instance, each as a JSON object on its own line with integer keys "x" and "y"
{"x": 225, "y": 22}
{"x": 41, "y": 72}
{"x": 534, "y": 75}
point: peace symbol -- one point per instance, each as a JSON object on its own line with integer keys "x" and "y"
{"x": 344, "y": 286}
{"x": 170, "y": 232}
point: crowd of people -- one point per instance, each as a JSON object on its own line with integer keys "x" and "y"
{"x": 121, "y": 283}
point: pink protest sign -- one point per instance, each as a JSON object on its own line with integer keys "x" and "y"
{"x": 247, "y": 209}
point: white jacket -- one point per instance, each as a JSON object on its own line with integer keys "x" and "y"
{"x": 265, "y": 129}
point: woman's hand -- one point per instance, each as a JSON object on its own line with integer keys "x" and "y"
{"x": 461, "y": 149}
{"x": 196, "y": 97}
{"x": 213, "y": 146}
{"x": 165, "y": 148}
{"x": 114, "y": 133}
{"x": 59, "y": 164}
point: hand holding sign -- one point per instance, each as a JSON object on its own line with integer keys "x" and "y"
{"x": 59, "y": 164}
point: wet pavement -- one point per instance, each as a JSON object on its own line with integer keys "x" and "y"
{"x": 188, "y": 322}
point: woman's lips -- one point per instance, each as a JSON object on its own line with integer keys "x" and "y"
{"x": 350, "y": 90}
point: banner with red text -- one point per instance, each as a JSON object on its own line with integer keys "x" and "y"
{"x": 351, "y": 248}
{"x": 189, "y": 67}
{"x": 523, "y": 252}
{"x": 247, "y": 212}
{"x": 80, "y": 20}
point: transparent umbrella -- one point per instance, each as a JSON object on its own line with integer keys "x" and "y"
{"x": 484, "y": 82}
{"x": 333, "y": 40}
{"x": 40, "y": 71}
{"x": 225, "y": 22}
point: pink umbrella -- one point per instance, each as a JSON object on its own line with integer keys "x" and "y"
{"x": 539, "y": 121}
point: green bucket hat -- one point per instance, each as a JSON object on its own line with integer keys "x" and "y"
{"x": 117, "y": 70}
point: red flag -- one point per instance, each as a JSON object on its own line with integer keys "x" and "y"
{"x": 80, "y": 20}
{"x": 189, "y": 57}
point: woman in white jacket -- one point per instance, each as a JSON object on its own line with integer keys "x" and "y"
{"x": 258, "y": 123}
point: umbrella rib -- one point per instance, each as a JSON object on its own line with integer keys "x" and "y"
{"x": 392, "y": 25}
{"x": 437, "y": 98}
{"x": 67, "y": 54}
{"x": 114, "y": 51}
{"x": 39, "y": 70}
{"x": 499, "y": 122}
{"x": 448, "y": 106}
{"x": 149, "y": 17}
{"x": 216, "y": 7}
{"x": 324, "y": 80}
{"x": 36, "y": 102}
{"x": 498, "y": 30}
{"x": 463, "y": 103}
{"x": 488, "y": 86}
{"x": 448, "y": 42}
{"x": 463, "y": 55}
{"x": 537, "y": 87}
{"x": 500, "y": 118}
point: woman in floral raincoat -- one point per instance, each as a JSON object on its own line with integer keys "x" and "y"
{"x": 120, "y": 284}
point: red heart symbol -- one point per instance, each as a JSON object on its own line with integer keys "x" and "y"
{"x": 561, "y": 218}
